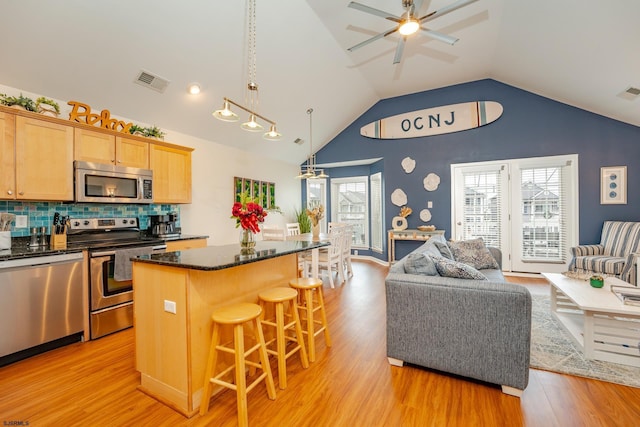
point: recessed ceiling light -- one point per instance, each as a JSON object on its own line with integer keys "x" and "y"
{"x": 193, "y": 88}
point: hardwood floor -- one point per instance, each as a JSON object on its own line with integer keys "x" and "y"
{"x": 350, "y": 384}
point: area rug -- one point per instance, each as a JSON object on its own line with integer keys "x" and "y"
{"x": 552, "y": 349}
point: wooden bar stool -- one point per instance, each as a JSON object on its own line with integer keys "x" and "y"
{"x": 237, "y": 315}
{"x": 307, "y": 286}
{"x": 280, "y": 296}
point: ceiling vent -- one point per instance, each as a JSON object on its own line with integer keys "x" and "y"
{"x": 151, "y": 81}
{"x": 298, "y": 141}
{"x": 630, "y": 93}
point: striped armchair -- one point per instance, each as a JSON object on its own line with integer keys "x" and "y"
{"x": 614, "y": 256}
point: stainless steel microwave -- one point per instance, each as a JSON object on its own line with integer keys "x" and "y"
{"x": 101, "y": 183}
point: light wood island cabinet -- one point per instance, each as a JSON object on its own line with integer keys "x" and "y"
{"x": 181, "y": 245}
{"x": 171, "y": 346}
{"x": 44, "y": 159}
{"x": 171, "y": 166}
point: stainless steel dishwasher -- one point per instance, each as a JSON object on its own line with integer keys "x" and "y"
{"x": 41, "y": 304}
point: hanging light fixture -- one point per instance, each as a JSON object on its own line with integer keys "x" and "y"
{"x": 310, "y": 171}
{"x": 251, "y": 96}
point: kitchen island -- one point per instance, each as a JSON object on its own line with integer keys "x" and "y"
{"x": 174, "y": 296}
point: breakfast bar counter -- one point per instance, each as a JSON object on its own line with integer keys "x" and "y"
{"x": 174, "y": 295}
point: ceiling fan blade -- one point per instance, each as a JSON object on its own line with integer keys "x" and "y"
{"x": 372, "y": 39}
{"x": 399, "y": 50}
{"x": 363, "y": 8}
{"x": 439, "y": 36}
{"x": 445, "y": 10}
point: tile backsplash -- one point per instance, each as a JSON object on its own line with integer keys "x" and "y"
{"x": 40, "y": 214}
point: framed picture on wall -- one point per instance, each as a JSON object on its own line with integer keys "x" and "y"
{"x": 613, "y": 185}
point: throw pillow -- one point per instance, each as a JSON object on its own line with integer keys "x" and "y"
{"x": 429, "y": 248}
{"x": 473, "y": 253}
{"x": 420, "y": 264}
{"x": 450, "y": 268}
{"x": 444, "y": 249}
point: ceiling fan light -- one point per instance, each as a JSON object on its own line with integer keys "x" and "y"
{"x": 225, "y": 114}
{"x": 409, "y": 26}
{"x": 273, "y": 134}
{"x": 252, "y": 125}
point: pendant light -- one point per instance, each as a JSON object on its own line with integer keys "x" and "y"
{"x": 309, "y": 171}
{"x": 225, "y": 114}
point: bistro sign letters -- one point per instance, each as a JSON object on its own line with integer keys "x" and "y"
{"x": 434, "y": 121}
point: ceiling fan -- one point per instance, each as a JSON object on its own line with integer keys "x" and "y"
{"x": 408, "y": 23}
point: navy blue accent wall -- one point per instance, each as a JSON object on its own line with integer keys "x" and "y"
{"x": 530, "y": 126}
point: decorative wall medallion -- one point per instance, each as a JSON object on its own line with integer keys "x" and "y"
{"x": 434, "y": 121}
{"x": 431, "y": 182}
{"x": 408, "y": 164}
{"x": 425, "y": 215}
{"x": 613, "y": 185}
{"x": 398, "y": 197}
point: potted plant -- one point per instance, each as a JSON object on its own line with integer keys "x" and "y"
{"x": 137, "y": 130}
{"x": 154, "y": 132}
{"x": 47, "y": 107}
{"x": 303, "y": 220}
{"x": 20, "y": 102}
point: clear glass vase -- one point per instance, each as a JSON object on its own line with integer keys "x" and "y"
{"x": 247, "y": 239}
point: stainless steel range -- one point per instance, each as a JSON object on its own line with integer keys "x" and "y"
{"x": 112, "y": 242}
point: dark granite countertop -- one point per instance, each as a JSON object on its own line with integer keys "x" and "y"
{"x": 20, "y": 248}
{"x": 221, "y": 257}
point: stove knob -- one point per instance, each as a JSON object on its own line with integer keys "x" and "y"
{"x": 124, "y": 221}
{"x": 86, "y": 222}
{"x": 76, "y": 223}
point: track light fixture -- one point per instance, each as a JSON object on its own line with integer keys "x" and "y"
{"x": 225, "y": 114}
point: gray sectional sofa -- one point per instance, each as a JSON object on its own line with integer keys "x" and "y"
{"x": 479, "y": 329}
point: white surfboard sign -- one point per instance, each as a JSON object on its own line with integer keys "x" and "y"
{"x": 434, "y": 121}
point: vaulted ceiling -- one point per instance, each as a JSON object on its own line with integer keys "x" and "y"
{"x": 583, "y": 53}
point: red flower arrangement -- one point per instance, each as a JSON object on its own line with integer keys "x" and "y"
{"x": 248, "y": 213}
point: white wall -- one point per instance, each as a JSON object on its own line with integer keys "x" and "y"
{"x": 213, "y": 168}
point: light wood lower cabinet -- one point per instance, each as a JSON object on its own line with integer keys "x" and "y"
{"x": 181, "y": 245}
{"x": 171, "y": 174}
{"x": 44, "y": 159}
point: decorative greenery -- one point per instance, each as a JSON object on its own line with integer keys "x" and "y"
{"x": 22, "y": 101}
{"x": 303, "y": 220}
{"x": 154, "y": 132}
{"x": 135, "y": 129}
{"x": 47, "y": 101}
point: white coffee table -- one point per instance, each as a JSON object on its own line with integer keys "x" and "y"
{"x": 602, "y": 326}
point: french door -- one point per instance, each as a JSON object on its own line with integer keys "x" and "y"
{"x": 525, "y": 207}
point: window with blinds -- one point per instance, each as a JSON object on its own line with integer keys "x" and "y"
{"x": 376, "y": 211}
{"x": 349, "y": 204}
{"x": 482, "y": 207}
{"x": 543, "y": 210}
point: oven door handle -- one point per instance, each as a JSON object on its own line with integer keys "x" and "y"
{"x": 157, "y": 248}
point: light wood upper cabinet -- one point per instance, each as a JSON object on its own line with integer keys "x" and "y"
{"x": 171, "y": 174}
{"x": 7, "y": 156}
{"x": 44, "y": 160}
{"x": 92, "y": 146}
{"x": 132, "y": 153}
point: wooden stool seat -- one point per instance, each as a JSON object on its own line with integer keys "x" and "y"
{"x": 308, "y": 286}
{"x": 278, "y": 297}
{"x": 237, "y": 315}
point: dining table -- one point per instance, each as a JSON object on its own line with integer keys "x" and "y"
{"x": 315, "y": 252}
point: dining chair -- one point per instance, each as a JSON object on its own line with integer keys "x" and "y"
{"x": 329, "y": 260}
{"x": 347, "y": 241}
{"x": 293, "y": 228}
{"x": 273, "y": 232}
